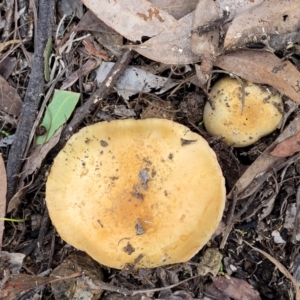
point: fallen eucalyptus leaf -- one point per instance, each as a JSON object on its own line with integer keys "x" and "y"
{"x": 135, "y": 80}
{"x": 132, "y": 19}
{"x": 172, "y": 46}
{"x": 236, "y": 288}
{"x": 268, "y": 17}
{"x": 176, "y": 8}
{"x": 287, "y": 147}
{"x": 236, "y": 6}
{"x": 265, "y": 68}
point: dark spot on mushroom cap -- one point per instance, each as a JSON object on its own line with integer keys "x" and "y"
{"x": 129, "y": 249}
{"x": 103, "y": 143}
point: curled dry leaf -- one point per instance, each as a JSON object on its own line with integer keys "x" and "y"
{"x": 287, "y": 147}
{"x": 132, "y": 19}
{"x": 236, "y": 288}
{"x": 3, "y": 184}
{"x": 10, "y": 101}
{"x": 269, "y": 17}
{"x": 264, "y": 68}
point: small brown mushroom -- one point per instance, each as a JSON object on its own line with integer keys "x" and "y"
{"x": 143, "y": 192}
{"x": 241, "y": 124}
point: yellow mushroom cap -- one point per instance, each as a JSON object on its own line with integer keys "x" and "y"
{"x": 144, "y": 192}
{"x": 241, "y": 126}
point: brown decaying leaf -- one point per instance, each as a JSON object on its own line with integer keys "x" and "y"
{"x": 269, "y": 17}
{"x": 94, "y": 49}
{"x": 235, "y": 288}
{"x": 287, "y": 147}
{"x": 132, "y": 19}
{"x": 3, "y": 185}
{"x": 205, "y": 45}
{"x": 265, "y": 161}
{"x": 10, "y": 100}
{"x": 18, "y": 284}
{"x": 173, "y": 46}
{"x": 176, "y": 8}
{"x": 104, "y": 34}
{"x": 7, "y": 66}
{"x": 236, "y": 6}
{"x": 213, "y": 293}
{"x": 265, "y": 68}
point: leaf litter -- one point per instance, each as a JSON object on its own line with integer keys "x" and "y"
{"x": 266, "y": 178}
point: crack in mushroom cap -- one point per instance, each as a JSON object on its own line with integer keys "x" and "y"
{"x": 100, "y": 203}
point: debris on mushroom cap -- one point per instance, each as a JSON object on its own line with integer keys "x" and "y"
{"x": 241, "y": 124}
{"x": 142, "y": 192}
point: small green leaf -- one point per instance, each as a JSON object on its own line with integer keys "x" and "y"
{"x": 12, "y": 220}
{"x": 57, "y": 113}
{"x": 5, "y": 133}
{"x": 47, "y": 54}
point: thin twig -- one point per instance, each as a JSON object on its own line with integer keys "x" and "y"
{"x": 108, "y": 287}
{"x": 231, "y": 219}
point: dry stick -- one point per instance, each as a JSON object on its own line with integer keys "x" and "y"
{"x": 32, "y": 97}
{"x": 101, "y": 93}
{"x": 231, "y": 219}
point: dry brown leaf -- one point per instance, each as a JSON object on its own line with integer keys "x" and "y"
{"x": 94, "y": 49}
{"x": 10, "y": 100}
{"x": 38, "y": 154}
{"x": 176, "y": 8}
{"x": 236, "y": 288}
{"x": 265, "y": 161}
{"x": 3, "y": 189}
{"x": 173, "y": 46}
{"x": 265, "y": 68}
{"x": 205, "y": 45}
{"x": 132, "y": 19}
{"x": 19, "y": 284}
{"x": 287, "y": 147}
{"x": 105, "y": 35}
{"x": 281, "y": 268}
{"x": 213, "y": 293}
{"x": 269, "y": 17}
{"x": 236, "y": 6}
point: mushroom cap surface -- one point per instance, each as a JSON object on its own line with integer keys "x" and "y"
{"x": 143, "y": 192}
{"x": 241, "y": 126}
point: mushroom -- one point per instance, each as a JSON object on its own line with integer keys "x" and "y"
{"x": 240, "y": 121}
{"x": 141, "y": 192}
